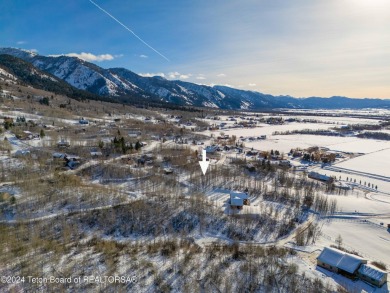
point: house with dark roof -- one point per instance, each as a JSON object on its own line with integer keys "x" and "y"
{"x": 211, "y": 149}
{"x": 321, "y": 177}
{"x": 349, "y": 264}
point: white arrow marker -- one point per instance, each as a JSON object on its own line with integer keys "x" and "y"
{"x": 204, "y": 164}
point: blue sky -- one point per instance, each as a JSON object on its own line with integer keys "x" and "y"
{"x": 301, "y": 47}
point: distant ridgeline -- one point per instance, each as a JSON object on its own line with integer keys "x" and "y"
{"x": 79, "y": 79}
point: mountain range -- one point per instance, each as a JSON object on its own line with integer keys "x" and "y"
{"x": 80, "y": 79}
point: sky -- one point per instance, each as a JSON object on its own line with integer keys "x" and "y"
{"x": 300, "y": 48}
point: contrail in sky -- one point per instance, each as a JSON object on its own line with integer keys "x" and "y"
{"x": 139, "y": 38}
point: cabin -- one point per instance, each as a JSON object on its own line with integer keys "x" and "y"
{"x": 239, "y": 199}
{"x": 252, "y": 153}
{"x": 372, "y": 275}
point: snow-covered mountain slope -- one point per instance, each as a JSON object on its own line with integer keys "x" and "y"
{"x": 121, "y": 83}
{"x": 6, "y": 76}
{"x": 17, "y": 71}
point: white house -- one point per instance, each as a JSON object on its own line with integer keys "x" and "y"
{"x": 238, "y": 199}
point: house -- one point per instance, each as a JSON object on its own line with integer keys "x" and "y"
{"x": 238, "y": 199}
{"x": 250, "y": 167}
{"x": 72, "y": 164}
{"x": 372, "y": 275}
{"x": 72, "y": 161}
{"x": 236, "y": 202}
{"x": 211, "y": 149}
{"x": 340, "y": 262}
{"x": 284, "y": 163}
{"x": 21, "y": 153}
{"x": 297, "y": 154}
{"x": 59, "y": 156}
{"x": 63, "y": 143}
{"x": 134, "y": 133}
{"x": 145, "y": 159}
{"x": 96, "y": 154}
{"x": 321, "y": 177}
{"x": 168, "y": 170}
{"x": 28, "y": 135}
{"x": 83, "y": 121}
{"x": 227, "y": 148}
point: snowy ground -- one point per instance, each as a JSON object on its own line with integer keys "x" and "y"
{"x": 368, "y": 239}
{"x": 373, "y": 163}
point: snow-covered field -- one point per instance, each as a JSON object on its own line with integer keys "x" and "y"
{"x": 376, "y": 162}
{"x": 358, "y": 203}
{"x": 370, "y": 240}
{"x": 266, "y": 129}
{"x": 285, "y": 143}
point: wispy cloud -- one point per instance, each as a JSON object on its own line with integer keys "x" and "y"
{"x": 252, "y": 84}
{"x": 21, "y": 42}
{"x": 89, "y": 56}
{"x": 173, "y": 74}
{"x": 201, "y": 77}
{"x": 177, "y": 75}
{"x": 148, "y": 74}
{"x": 221, "y": 75}
{"x": 143, "y": 56}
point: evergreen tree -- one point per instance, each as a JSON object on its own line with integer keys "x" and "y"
{"x": 137, "y": 145}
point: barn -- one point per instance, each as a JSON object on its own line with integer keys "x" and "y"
{"x": 340, "y": 262}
